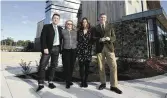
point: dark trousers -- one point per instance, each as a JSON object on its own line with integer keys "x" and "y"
{"x": 68, "y": 58}
{"x": 84, "y": 70}
{"x": 54, "y": 54}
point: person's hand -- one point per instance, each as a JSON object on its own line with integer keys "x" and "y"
{"x": 46, "y": 51}
{"x": 107, "y": 39}
{"x": 103, "y": 39}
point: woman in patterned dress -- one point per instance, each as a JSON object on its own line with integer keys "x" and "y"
{"x": 84, "y": 50}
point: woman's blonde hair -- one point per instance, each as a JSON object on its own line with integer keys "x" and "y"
{"x": 66, "y": 24}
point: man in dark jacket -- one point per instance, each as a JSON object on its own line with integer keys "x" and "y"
{"x": 105, "y": 36}
{"x": 51, "y": 39}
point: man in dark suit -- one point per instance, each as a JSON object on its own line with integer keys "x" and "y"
{"x": 105, "y": 36}
{"x": 51, "y": 38}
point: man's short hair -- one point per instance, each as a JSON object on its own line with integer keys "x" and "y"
{"x": 102, "y": 14}
{"x": 56, "y": 14}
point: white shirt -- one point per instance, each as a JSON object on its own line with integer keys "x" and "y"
{"x": 102, "y": 25}
{"x": 56, "y": 40}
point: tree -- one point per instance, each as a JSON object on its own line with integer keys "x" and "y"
{"x": 8, "y": 41}
{"x": 26, "y": 43}
{"x": 20, "y": 43}
{"x": 30, "y": 46}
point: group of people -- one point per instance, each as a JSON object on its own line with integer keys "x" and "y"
{"x": 72, "y": 44}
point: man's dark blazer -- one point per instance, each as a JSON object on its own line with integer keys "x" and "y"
{"x": 47, "y": 37}
{"x": 100, "y": 33}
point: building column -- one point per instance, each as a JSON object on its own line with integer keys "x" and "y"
{"x": 155, "y": 30}
{"x": 149, "y": 55}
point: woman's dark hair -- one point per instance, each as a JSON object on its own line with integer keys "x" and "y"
{"x": 81, "y": 23}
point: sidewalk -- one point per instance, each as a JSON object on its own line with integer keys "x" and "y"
{"x": 13, "y": 87}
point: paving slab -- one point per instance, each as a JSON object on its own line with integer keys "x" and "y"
{"x": 76, "y": 92}
{"x": 17, "y": 71}
{"x": 5, "y": 91}
{"x": 20, "y": 89}
{"x": 47, "y": 92}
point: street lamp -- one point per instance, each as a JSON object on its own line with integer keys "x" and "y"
{"x": 2, "y": 38}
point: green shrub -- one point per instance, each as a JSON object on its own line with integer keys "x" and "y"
{"x": 26, "y": 69}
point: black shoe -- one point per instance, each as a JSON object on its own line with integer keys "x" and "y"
{"x": 85, "y": 84}
{"x": 67, "y": 86}
{"x": 39, "y": 88}
{"x": 102, "y": 86}
{"x": 51, "y": 86}
{"x": 82, "y": 84}
{"x": 71, "y": 83}
{"x": 115, "y": 89}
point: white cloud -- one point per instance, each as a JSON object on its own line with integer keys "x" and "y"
{"x": 26, "y": 22}
{"x": 24, "y": 16}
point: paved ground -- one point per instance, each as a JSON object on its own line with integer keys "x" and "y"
{"x": 13, "y": 87}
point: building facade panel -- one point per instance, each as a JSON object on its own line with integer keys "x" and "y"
{"x": 135, "y": 6}
{"x": 89, "y": 10}
{"x": 92, "y": 9}
{"x": 67, "y": 9}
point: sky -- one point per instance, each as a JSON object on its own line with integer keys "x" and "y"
{"x": 164, "y": 5}
{"x": 19, "y": 18}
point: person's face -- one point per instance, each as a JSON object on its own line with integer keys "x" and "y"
{"x": 103, "y": 19}
{"x": 69, "y": 25}
{"x": 55, "y": 19}
{"x": 84, "y": 23}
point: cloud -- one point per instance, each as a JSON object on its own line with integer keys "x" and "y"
{"x": 26, "y": 22}
{"x": 24, "y": 16}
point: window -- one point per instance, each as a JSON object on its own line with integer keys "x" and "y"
{"x": 98, "y": 10}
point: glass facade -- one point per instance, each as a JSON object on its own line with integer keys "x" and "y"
{"x": 162, "y": 36}
{"x": 151, "y": 37}
{"x": 157, "y": 38}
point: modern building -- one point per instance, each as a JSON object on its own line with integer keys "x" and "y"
{"x": 68, "y": 9}
{"x": 115, "y": 10}
{"x": 141, "y": 25}
{"x": 38, "y": 34}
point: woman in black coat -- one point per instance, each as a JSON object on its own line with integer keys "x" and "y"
{"x": 84, "y": 48}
